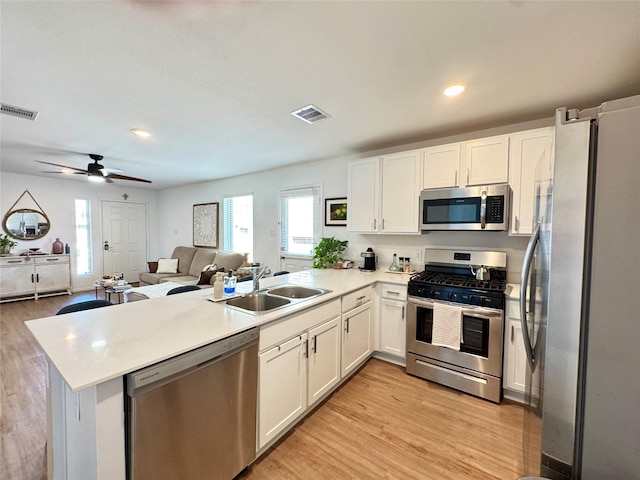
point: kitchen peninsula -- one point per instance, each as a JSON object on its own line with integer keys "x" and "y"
{"x": 89, "y": 353}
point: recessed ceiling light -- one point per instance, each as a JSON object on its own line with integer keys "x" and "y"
{"x": 141, "y": 132}
{"x": 454, "y": 90}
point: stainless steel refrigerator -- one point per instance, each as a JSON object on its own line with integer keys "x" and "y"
{"x": 580, "y": 300}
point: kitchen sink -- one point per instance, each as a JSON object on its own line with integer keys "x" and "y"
{"x": 295, "y": 291}
{"x": 258, "y": 302}
{"x": 275, "y": 297}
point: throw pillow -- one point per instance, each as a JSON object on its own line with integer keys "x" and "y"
{"x": 205, "y": 276}
{"x": 167, "y": 265}
{"x": 153, "y": 267}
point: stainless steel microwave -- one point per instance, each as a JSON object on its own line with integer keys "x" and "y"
{"x": 473, "y": 208}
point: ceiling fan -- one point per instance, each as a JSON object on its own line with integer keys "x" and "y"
{"x": 95, "y": 171}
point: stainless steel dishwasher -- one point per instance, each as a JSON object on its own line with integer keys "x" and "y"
{"x": 194, "y": 416}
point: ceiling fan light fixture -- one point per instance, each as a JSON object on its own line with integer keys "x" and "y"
{"x": 96, "y": 178}
{"x": 141, "y": 132}
{"x": 453, "y": 90}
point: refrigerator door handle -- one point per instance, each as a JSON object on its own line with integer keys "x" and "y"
{"x": 524, "y": 279}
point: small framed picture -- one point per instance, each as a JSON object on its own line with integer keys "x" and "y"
{"x": 335, "y": 211}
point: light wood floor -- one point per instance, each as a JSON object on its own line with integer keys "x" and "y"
{"x": 381, "y": 424}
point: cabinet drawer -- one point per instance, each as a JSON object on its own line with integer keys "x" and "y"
{"x": 287, "y": 327}
{"x": 13, "y": 261}
{"x": 395, "y": 292}
{"x": 52, "y": 259}
{"x": 357, "y": 298}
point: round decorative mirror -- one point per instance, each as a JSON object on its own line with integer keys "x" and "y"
{"x": 26, "y": 224}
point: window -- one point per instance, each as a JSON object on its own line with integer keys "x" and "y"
{"x": 300, "y": 221}
{"x": 237, "y": 218}
{"x": 84, "y": 250}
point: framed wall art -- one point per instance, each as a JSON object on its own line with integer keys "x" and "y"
{"x": 335, "y": 211}
{"x": 205, "y": 225}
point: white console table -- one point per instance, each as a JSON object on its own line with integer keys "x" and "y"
{"x": 34, "y": 276}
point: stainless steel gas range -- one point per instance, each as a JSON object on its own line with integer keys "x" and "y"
{"x": 455, "y": 321}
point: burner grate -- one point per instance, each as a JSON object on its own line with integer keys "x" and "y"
{"x": 461, "y": 281}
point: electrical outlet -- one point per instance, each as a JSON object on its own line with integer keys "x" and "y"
{"x": 418, "y": 255}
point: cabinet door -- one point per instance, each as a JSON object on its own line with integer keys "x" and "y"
{"x": 324, "y": 359}
{"x": 516, "y": 371}
{"x": 393, "y": 327}
{"x": 17, "y": 280}
{"x": 440, "y": 166}
{"x": 356, "y": 337}
{"x": 283, "y": 387}
{"x": 400, "y": 192}
{"x": 363, "y": 195}
{"x": 530, "y": 160}
{"x": 486, "y": 161}
{"x": 52, "y": 277}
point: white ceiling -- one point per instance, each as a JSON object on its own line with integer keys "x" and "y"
{"x": 216, "y": 82}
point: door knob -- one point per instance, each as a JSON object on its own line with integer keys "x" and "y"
{"x": 106, "y": 245}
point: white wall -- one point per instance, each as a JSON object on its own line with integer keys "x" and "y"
{"x": 56, "y": 197}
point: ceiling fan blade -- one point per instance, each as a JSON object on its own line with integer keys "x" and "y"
{"x": 124, "y": 177}
{"x": 79, "y": 170}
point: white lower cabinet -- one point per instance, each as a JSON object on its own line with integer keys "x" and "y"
{"x": 515, "y": 357}
{"x": 299, "y": 363}
{"x": 393, "y": 325}
{"x": 357, "y": 334}
{"x": 323, "y": 359}
{"x": 283, "y": 387}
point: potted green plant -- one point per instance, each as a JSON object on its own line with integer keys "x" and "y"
{"x": 328, "y": 252}
{"x": 6, "y": 244}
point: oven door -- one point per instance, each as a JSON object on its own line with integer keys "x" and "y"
{"x": 481, "y": 341}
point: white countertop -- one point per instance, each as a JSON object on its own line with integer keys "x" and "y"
{"x": 93, "y": 346}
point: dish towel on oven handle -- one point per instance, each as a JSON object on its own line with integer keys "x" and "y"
{"x": 447, "y": 326}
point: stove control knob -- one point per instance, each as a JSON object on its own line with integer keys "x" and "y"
{"x": 452, "y": 296}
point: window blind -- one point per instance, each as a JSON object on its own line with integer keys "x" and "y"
{"x": 300, "y": 221}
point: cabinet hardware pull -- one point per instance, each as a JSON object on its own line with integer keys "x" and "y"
{"x": 511, "y": 333}
{"x": 517, "y": 224}
{"x": 383, "y": 224}
{"x": 362, "y": 297}
{"x": 314, "y": 347}
{"x": 37, "y": 277}
{"x": 403, "y": 312}
{"x": 346, "y": 325}
{"x": 14, "y": 261}
{"x": 32, "y": 278}
{"x": 52, "y": 259}
{"x": 389, "y": 292}
{"x": 305, "y": 348}
{"x": 374, "y": 223}
{"x": 455, "y": 180}
{"x": 467, "y": 176}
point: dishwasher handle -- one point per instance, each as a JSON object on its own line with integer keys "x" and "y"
{"x": 175, "y": 367}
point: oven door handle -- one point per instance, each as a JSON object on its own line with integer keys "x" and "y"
{"x": 524, "y": 280}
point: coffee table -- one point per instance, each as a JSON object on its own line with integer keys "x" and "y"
{"x": 109, "y": 289}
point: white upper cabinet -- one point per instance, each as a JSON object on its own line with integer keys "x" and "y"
{"x": 383, "y": 193}
{"x": 486, "y": 161}
{"x": 530, "y": 158}
{"x": 440, "y": 166}
{"x": 400, "y": 189}
{"x": 363, "y": 195}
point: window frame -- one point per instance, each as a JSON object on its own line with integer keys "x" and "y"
{"x": 225, "y": 223}
{"x": 87, "y": 227}
{"x": 316, "y": 192}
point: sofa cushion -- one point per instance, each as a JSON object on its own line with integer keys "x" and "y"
{"x": 201, "y": 259}
{"x": 167, "y": 265}
{"x": 153, "y": 278}
{"x": 229, "y": 260}
{"x": 185, "y": 257}
{"x": 181, "y": 279}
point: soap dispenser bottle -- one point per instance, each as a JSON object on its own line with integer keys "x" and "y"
{"x": 230, "y": 284}
{"x": 217, "y": 286}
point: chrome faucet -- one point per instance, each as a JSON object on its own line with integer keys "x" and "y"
{"x": 258, "y": 273}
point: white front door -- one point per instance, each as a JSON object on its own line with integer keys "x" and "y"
{"x": 124, "y": 239}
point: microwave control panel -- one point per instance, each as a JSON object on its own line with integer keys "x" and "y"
{"x": 495, "y": 209}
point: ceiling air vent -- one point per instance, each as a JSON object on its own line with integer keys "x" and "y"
{"x": 18, "y": 112}
{"x": 310, "y": 114}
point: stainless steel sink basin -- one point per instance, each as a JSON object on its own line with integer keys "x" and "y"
{"x": 258, "y": 302}
{"x": 295, "y": 291}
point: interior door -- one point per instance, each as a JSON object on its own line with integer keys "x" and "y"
{"x": 124, "y": 239}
